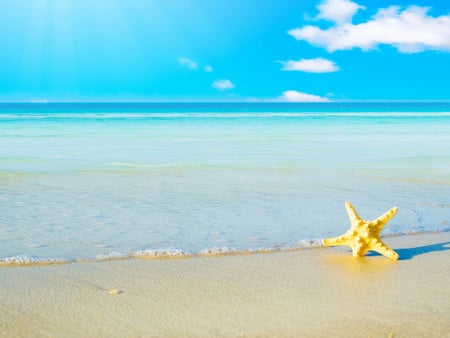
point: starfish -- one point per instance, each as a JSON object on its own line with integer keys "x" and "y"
{"x": 364, "y": 235}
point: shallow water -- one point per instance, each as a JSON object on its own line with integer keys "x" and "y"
{"x": 83, "y": 181}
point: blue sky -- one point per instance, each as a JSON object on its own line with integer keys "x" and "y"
{"x": 232, "y": 50}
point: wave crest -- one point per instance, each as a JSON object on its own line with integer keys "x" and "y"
{"x": 24, "y": 260}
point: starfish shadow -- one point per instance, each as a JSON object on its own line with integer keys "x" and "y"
{"x": 409, "y": 253}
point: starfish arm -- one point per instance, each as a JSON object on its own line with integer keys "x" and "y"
{"x": 384, "y": 250}
{"x": 359, "y": 250}
{"x": 383, "y": 219}
{"x": 352, "y": 214}
{"x": 340, "y": 240}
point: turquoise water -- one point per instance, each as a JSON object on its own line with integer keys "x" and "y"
{"x": 94, "y": 181}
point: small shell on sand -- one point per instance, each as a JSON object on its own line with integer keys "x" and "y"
{"x": 114, "y": 292}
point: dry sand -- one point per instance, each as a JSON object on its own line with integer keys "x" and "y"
{"x": 315, "y": 292}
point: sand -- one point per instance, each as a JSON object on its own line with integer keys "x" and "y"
{"x": 318, "y": 292}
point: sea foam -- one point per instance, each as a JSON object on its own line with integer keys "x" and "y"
{"x": 23, "y": 260}
{"x": 161, "y": 253}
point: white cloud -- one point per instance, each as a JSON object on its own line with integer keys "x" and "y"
{"x": 317, "y": 65}
{"x": 223, "y": 84}
{"x": 188, "y": 63}
{"x": 295, "y": 96}
{"x": 409, "y": 30}
{"x": 339, "y": 11}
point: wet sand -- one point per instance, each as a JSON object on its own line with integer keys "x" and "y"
{"x": 311, "y": 292}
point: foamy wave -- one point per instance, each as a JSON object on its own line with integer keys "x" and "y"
{"x": 216, "y": 251}
{"x": 161, "y": 253}
{"x": 113, "y": 256}
{"x": 310, "y": 243}
{"x": 223, "y": 251}
{"x": 167, "y": 253}
{"x": 31, "y": 260}
{"x": 171, "y": 253}
{"x": 231, "y": 251}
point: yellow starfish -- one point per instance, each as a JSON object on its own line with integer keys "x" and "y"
{"x": 363, "y": 235}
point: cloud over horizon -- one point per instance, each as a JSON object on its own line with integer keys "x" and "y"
{"x": 223, "y": 84}
{"x": 295, "y": 96}
{"x": 409, "y": 30}
{"x": 317, "y": 65}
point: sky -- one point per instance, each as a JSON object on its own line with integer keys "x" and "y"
{"x": 224, "y": 50}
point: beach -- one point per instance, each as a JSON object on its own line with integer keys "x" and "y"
{"x": 207, "y": 220}
{"x": 310, "y": 292}
{"x": 195, "y": 169}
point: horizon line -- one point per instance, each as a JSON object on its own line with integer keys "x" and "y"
{"x": 217, "y": 101}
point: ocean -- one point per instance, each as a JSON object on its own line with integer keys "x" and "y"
{"x": 94, "y": 181}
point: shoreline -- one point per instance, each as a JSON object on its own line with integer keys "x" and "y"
{"x": 171, "y": 253}
{"x": 319, "y": 291}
